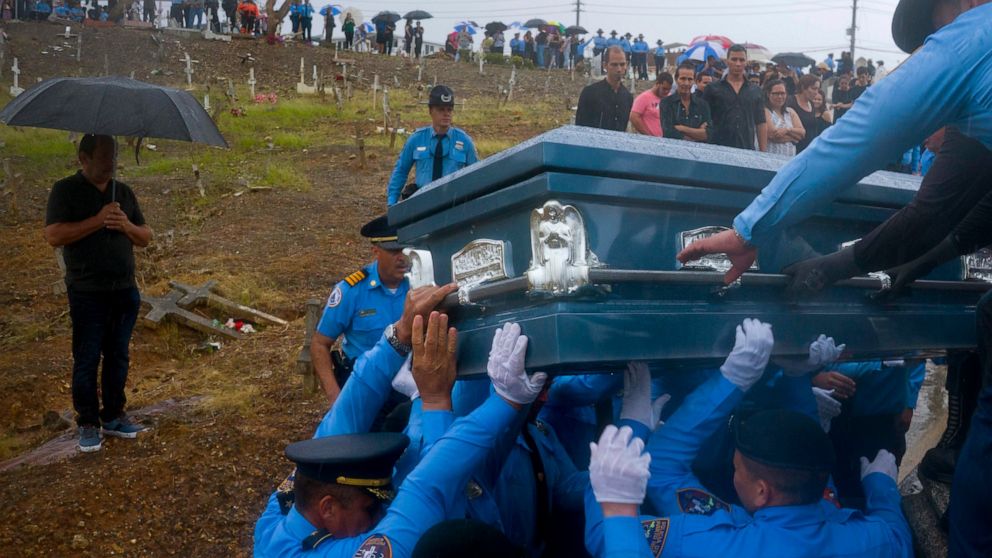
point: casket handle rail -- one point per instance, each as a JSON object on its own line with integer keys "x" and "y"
{"x": 601, "y": 276}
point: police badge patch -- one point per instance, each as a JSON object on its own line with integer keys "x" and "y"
{"x": 656, "y": 532}
{"x": 699, "y": 502}
{"x": 335, "y": 297}
{"x": 376, "y": 546}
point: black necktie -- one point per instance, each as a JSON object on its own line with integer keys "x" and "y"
{"x": 438, "y": 158}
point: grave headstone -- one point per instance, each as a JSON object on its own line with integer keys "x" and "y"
{"x": 161, "y": 308}
{"x": 203, "y": 294}
{"x": 189, "y": 72}
{"x": 15, "y": 89}
{"x": 251, "y": 81}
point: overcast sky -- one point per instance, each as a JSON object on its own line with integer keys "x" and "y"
{"x": 815, "y": 27}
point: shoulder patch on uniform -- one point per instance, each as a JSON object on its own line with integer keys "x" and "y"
{"x": 459, "y": 144}
{"x": 376, "y": 546}
{"x": 699, "y": 502}
{"x": 315, "y": 538}
{"x": 355, "y": 278}
{"x": 656, "y": 533}
{"x": 335, "y": 297}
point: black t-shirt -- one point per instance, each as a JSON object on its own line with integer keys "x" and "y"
{"x": 104, "y": 260}
{"x": 601, "y": 107}
{"x": 736, "y": 114}
{"x": 808, "y": 120}
{"x": 842, "y": 97}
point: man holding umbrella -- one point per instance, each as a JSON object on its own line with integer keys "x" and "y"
{"x": 97, "y": 222}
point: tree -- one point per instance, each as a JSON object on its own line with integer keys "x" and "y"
{"x": 275, "y": 17}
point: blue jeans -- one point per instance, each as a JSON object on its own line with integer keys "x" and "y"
{"x": 971, "y": 494}
{"x": 102, "y": 323}
{"x": 540, "y": 55}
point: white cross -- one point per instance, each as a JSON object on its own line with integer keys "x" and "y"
{"x": 206, "y": 101}
{"x": 189, "y": 71}
{"x": 15, "y": 90}
{"x": 301, "y": 70}
{"x": 251, "y": 81}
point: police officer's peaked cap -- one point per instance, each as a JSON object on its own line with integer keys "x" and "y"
{"x": 380, "y": 233}
{"x": 659, "y": 42}
{"x": 441, "y": 96}
{"x": 614, "y": 32}
{"x": 784, "y": 439}
{"x": 600, "y": 31}
{"x": 465, "y": 537}
{"x": 911, "y": 23}
{"x": 360, "y": 460}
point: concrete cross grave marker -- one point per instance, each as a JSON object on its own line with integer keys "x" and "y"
{"x": 189, "y": 72}
{"x": 15, "y": 89}
{"x": 199, "y": 295}
{"x": 166, "y": 307}
{"x": 251, "y": 81}
{"x": 206, "y": 102}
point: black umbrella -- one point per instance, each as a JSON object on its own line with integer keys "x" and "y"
{"x": 387, "y": 16}
{"x": 495, "y": 27}
{"x": 417, "y": 14}
{"x": 114, "y": 106}
{"x": 575, "y": 30}
{"x": 536, "y": 22}
{"x": 794, "y": 59}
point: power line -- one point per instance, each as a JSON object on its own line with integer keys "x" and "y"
{"x": 711, "y": 14}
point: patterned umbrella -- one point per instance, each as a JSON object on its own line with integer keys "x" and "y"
{"x": 466, "y": 26}
{"x": 699, "y": 52}
{"x": 333, "y": 8}
{"x": 721, "y": 40}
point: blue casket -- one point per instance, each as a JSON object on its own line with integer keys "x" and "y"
{"x": 574, "y": 233}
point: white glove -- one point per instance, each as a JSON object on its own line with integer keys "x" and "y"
{"x": 506, "y": 367}
{"x": 826, "y": 406}
{"x": 618, "y": 467}
{"x": 746, "y": 363}
{"x": 403, "y": 382}
{"x": 823, "y": 351}
{"x": 637, "y": 404}
{"x": 884, "y": 463}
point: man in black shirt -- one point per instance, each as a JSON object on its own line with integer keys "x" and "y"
{"x": 861, "y": 85}
{"x": 606, "y": 104}
{"x": 738, "y": 107}
{"x": 684, "y": 115}
{"x": 97, "y": 221}
{"x": 841, "y": 96}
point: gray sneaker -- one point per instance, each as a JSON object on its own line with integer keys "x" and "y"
{"x": 122, "y": 427}
{"x": 89, "y": 439}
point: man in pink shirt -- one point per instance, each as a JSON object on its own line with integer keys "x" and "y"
{"x": 644, "y": 114}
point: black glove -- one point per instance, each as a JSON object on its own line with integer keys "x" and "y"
{"x": 811, "y": 276}
{"x": 908, "y": 272}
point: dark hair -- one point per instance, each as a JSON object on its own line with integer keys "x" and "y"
{"x": 686, "y": 66}
{"x": 767, "y": 88}
{"x": 706, "y": 72}
{"x": 799, "y": 487}
{"x": 308, "y": 492}
{"x": 90, "y": 142}
{"x": 862, "y": 70}
{"x": 736, "y": 48}
{"x": 808, "y": 80}
{"x": 665, "y": 77}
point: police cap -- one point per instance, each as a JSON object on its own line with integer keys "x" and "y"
{"x": 614, "y": 32}
{"x": 381, "y": 233}
{"x": 600, "y": 31}
{"x": 361, "y": 460}
{"x": 465, "y": 537}
{"x": 441, "y": 96}
{"x": 912, "y": 22}
{"x": 784, "y": 439}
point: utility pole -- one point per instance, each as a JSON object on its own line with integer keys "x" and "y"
{"x": 578, "y": 8}
{"x": 854, "y": 28}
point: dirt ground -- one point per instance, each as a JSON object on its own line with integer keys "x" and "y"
{"x": 193, "y": 485}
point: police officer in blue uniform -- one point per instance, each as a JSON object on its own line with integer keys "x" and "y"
{"x": 342, "y": 481}
{"x": 640, "y": 51}
{"x": 659, "y": 58}
{"x": 360, "y": 307}
{"x": 782, "y": 463}
{"x": 436, "y": 150}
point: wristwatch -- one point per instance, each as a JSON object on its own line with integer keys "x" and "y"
{"x": 402, "y": 348}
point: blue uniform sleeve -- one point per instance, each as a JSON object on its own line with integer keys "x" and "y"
{"x": 675, "y": 445}
{"x": 882, "y": 501}
{"x": 364, "y": 393}
{"x": 338, "y": 311}
{"x": 438, "y": 481}
{"x": 435, "y": 425}
{"x": 614, "y": 537}
{"x": 914, "y": 382}
{"x": 897, "y": 112}
{"x": 401, "y": 171}
{"x": 855, "y": 370}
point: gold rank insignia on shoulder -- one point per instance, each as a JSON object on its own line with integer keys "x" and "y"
{"x": 315, "y": 538}
{"x": 355, "y": 278}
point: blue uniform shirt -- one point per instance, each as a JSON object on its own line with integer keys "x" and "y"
{"x": 639, "y": 46}
{"x": 625, "y": 45}
{"x": 458, "y": 149}
{"x": 361, "y": 311}
{"x": 698, "y": 524}
{"x": 425, "y": 497}
{"x": 883, "y": 389}
{"x": 612, "y": 41}
{"x": 900, "y": 111}
{"x": 659, "y": 51}
{"x": 305, "y": 10}
{"x": 599, "y": 41}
